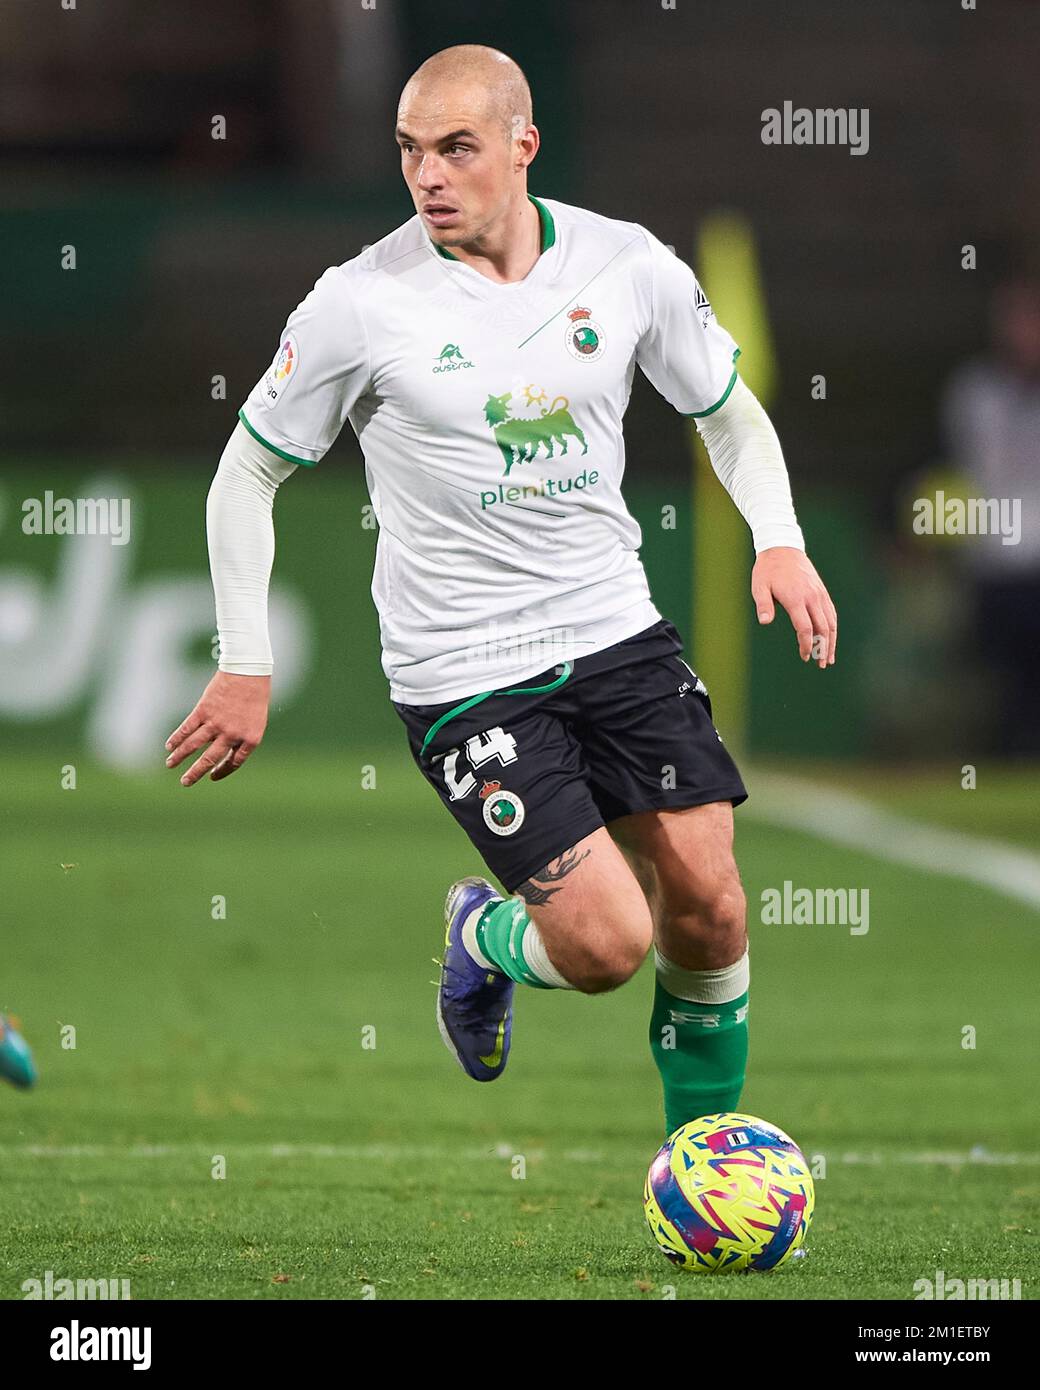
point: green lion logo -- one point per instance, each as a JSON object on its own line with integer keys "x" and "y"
{"x": 520, "y": 440}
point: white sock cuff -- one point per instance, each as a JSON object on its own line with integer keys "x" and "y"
{"x": 469, "y": 940}
{"x": 537, "y": 958}
{"x": 704, "y": 986}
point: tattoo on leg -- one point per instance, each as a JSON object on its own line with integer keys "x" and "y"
{"x": 532, "y": 890}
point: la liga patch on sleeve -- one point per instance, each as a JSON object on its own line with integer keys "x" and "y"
{"x": 281, "y": 372}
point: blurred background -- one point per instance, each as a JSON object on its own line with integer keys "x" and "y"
{"x": 891, "y": 370}
{"x": 242, "y": 969}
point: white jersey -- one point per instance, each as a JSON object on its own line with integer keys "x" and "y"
{"x": 489, "y": 416}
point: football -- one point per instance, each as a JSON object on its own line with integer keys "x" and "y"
{"x": 727, "y": 1193}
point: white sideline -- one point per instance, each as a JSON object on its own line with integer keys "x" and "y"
{"x": 843, "y": 818}
{"x": 975, "y": 1157}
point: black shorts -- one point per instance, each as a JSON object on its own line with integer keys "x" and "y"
{"x": 529, "y": 774}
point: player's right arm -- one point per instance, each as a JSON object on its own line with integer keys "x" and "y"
{"x": 230, "y": 718}
{"x": 291, "y": 418}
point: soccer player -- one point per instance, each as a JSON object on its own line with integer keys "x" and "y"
{"x": 483, "y": 353}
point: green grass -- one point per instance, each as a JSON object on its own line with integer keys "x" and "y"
{"x": 1004, "y": 805}
{"x": 198, "y": 1037}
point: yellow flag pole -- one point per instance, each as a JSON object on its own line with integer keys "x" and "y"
{"x": 727, "y": 267}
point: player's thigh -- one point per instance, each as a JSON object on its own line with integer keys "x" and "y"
{"x": 515, "y": 779}
{"x": 647, "y": 736}
{"x": 686, "y": 854}
{"x": 591, "y": 913}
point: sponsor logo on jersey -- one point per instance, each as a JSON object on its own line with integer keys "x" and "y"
{"x": 504, "y": 813}
{"x": 281, "y": 372}
{"x": 539, "y": 487}
{"x": 451, "y": 359}
{"x": 584, "y": 337}
{"x": 520, "y": 439}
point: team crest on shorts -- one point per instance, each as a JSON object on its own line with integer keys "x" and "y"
{"x": 281, "y": 371}
{"x": 503, "y": 812}
{"x": 585, "y": 338}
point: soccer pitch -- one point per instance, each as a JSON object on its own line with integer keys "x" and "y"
{"x": 356, "y": 1170}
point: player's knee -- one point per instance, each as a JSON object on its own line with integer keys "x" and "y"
{"x": 600, "y": 973}
{"x": 610, "y": 956}
{"x": 717, "y": 921}
{"x": 727, "y": 912}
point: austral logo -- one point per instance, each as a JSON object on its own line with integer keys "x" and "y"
{"x": 584, "y": 337}
{"x": 450, "y": 359}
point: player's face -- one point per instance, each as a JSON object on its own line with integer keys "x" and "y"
{"x": 457, "y": 162}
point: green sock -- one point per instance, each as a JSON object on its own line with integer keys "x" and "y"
{"x": 500, "y": 933}
{"x": 701, "y": 1052}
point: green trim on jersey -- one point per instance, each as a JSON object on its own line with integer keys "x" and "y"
{"x": 289, "y": 458}
{"x": 700, "y": 414}
{"x": 548, "y": 230}
{"x": 548, "y": 225}
{"x": 439, "y": 724}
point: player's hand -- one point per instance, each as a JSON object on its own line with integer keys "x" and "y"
{"x": 786, "y": 576}
{"x": 231, "y": 718}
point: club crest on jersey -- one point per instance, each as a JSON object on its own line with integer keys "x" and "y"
{"x": 504, "y": 813}
{"x": 584, "y": 337}
{"x": 281, "y": 372}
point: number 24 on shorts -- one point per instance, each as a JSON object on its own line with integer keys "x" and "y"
{"x": 481, "y": 748}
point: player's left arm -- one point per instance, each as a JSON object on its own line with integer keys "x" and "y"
{"x": 746, "y": 455}
{"x": 690, "y": 359}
